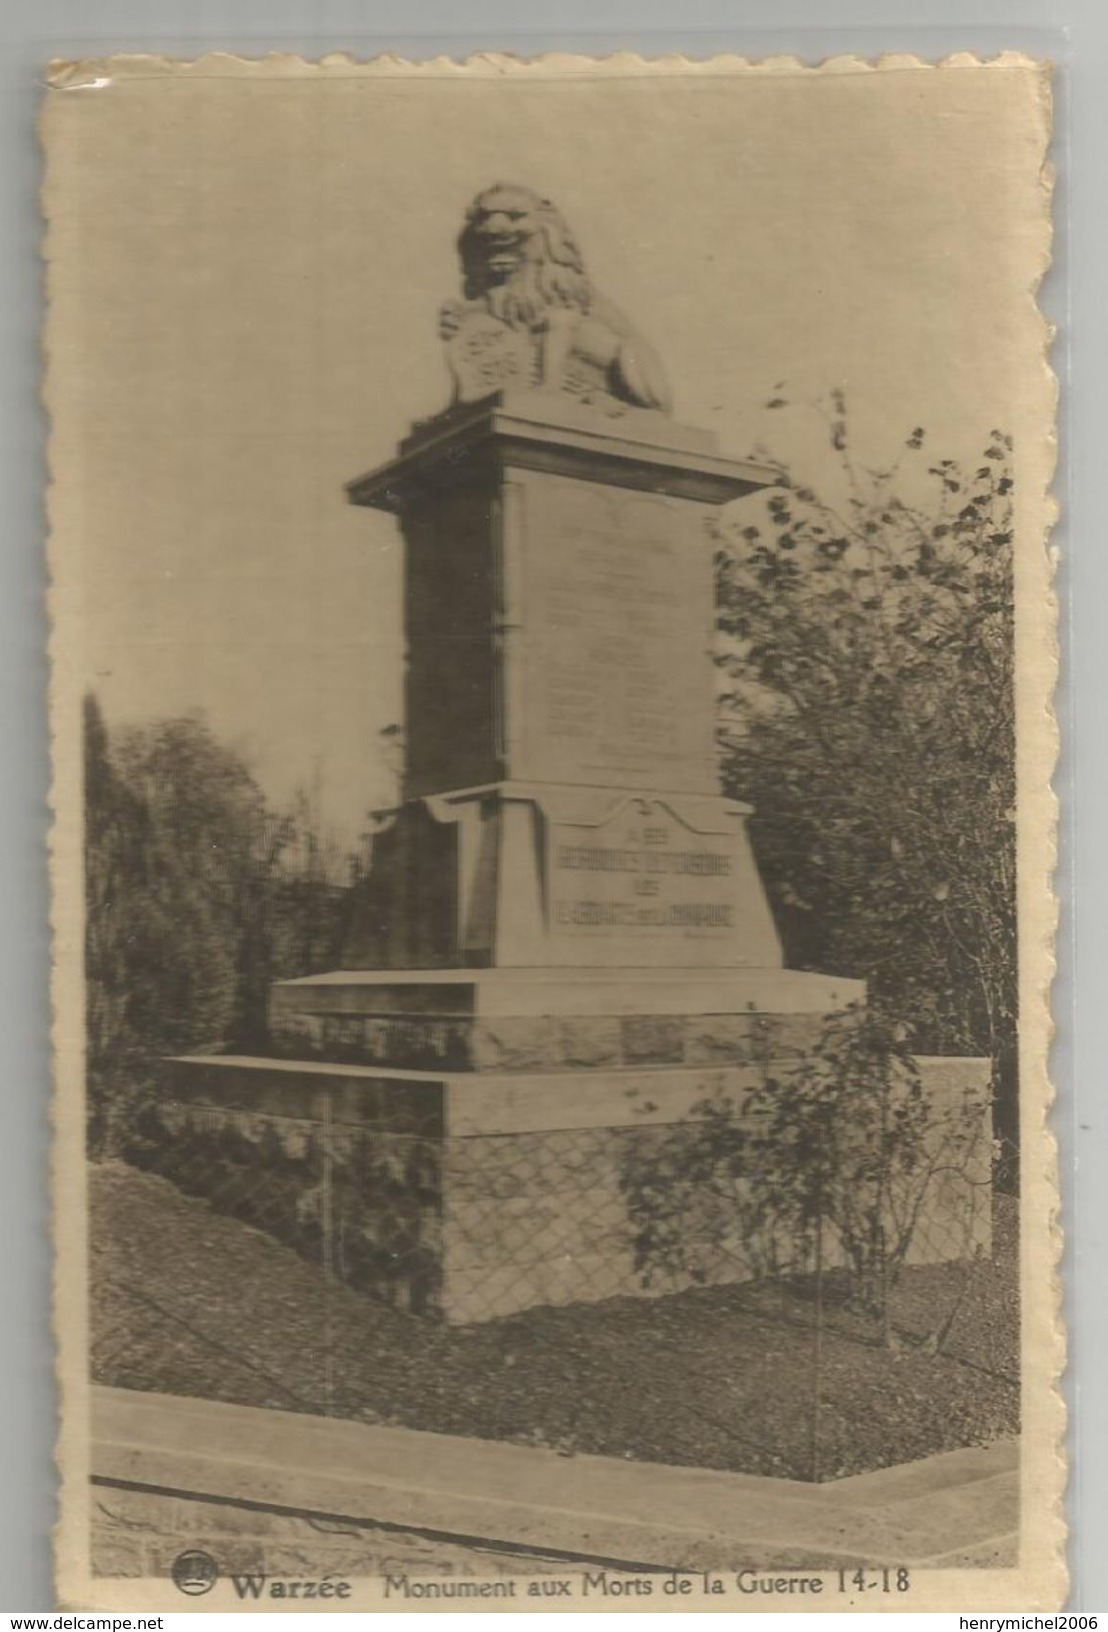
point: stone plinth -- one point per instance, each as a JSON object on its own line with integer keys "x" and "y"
{"x": 562, "y": 804}
{"x": 552, "y": 1020}
{"x": 559, "y": 596}
{"x": 470, "y": 1195}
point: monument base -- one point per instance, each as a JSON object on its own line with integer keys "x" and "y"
{"x": 467, "y": 1143}
{"x": 551, "y": 1019}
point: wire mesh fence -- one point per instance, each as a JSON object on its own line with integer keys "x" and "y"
{"x": 304, "y": 1262}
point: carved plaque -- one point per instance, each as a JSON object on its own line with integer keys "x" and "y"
{"x": 617, "y": 621}
{"x": 643, "y": 871}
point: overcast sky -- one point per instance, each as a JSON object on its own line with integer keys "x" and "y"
{"x": 253, "y": 322}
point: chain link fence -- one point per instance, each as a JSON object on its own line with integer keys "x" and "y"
{"x": 305, "y": 1262}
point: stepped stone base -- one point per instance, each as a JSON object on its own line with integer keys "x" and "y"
{"x": 523, "y": 1020}
{"x": 473, "y": 1190}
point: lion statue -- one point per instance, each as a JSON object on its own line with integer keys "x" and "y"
{"x": 529, "y": 315}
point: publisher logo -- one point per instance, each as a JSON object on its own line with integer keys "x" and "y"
{"x": 194, "y": 1573}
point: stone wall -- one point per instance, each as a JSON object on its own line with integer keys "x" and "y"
{"x": 548, "y": 1218}
{"x": 473, "y": 1196}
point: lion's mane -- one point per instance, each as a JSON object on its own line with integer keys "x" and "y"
{"x": 554, "y": 276}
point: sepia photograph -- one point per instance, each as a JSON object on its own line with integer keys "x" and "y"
{"x": 552, "y": 651}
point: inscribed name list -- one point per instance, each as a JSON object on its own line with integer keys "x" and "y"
{"x": 643, "y": 871}
{"x": 620, "y": 675}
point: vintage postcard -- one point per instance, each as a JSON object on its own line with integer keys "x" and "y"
{"x": 552, "y": 653}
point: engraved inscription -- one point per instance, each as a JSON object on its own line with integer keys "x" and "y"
{"x": 624, "y": 666}
{"x": 642, "y": 870}
{"x": 604, "y": 681}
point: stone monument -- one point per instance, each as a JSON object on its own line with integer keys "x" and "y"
{"x": 563, "y": 939}
{"x": 561, "y": 803}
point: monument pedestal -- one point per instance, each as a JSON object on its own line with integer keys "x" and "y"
{"x": 561, "y": 802}
{"x": 563, "y": 947}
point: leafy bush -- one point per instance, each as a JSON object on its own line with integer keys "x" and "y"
{"x": 829, "y": 1160}
{"x": 868, "y": 639}
{"x": 198, "y": 896}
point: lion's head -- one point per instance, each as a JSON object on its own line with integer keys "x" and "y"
{"x": 519, "y": 256}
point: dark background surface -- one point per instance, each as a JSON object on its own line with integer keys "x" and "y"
{"x": 1075, "y": 34}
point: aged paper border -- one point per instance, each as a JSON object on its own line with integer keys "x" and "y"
{"x": 1040, "y": 1581}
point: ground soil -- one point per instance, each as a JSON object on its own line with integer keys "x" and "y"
{"x": 187, "y": 1301}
